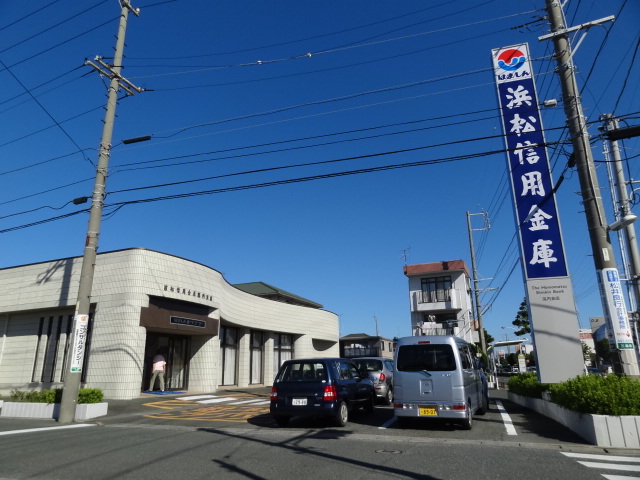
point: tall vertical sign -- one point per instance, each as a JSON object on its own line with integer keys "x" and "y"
{"x": 553, "y": 318}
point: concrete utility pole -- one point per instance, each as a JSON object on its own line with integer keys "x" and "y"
{"x": 73, "y": 369}
{"x": 476, "y": 290}
{"x": 626, "y": 217}
{"x": 603, "y": 256}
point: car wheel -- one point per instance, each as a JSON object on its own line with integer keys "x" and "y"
{"x": 484, "y": 407}
{"x": 467, "y": 423}
{"x": 388, "y": 399}
{"x": 282, "y": 421}
{"x": 370, "y": 404}
{"x": 342, "y": 416}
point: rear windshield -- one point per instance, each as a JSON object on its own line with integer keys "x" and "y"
{"x": 368, "y": 365}
{"x": 433, "y": 358}
{"x": 303, "y": 371}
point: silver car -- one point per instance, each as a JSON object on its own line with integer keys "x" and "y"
{"x": 380, "y": 371}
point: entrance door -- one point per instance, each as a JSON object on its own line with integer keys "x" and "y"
{"x": 176, "y": 351}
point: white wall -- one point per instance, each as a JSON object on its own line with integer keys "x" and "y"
{"x": 122, "y": 284}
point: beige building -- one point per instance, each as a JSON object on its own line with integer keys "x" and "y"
{"x": 440, "y": 299}
{"x": 144, "y": 302}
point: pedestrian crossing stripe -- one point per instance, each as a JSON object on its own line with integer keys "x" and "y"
{"x": 216, "y": 400}
{"x": 208, "y": 399}
{"x": 609, "y": 458}
{"x": 196, "y": 397}
{"x": 607, "y": 462}
{"x": 253, "y": 401}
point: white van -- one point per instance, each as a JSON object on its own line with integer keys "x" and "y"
{"x": 437, "y": 376}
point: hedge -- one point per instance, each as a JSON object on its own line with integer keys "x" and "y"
{"x": 593, "y": 394}
{"x": 85, "y": 395}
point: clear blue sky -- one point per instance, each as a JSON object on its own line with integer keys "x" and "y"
{"x": 242, "y": 94}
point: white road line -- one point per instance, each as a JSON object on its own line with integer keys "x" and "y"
{"x": 13, "y": 432}
{"x": 617, "y": 477}
{"x": 388, "y": 423}
{"x": 196, "y": 397}
{"x": 508, "y": 423}
{"x": 218, "y": 400}
{"x": 611, "y": 458}
{"x": 612, "y": 466}
{"x": 257, "y": 401}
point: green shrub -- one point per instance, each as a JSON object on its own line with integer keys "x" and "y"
{"x": 611, "y": 395}
{"x": 527, "y": 385}
{"x": 85, "y": 395}
{"x": 90, "y": 395}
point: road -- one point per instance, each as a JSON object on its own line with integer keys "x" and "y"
{"x": 232, "y": 436}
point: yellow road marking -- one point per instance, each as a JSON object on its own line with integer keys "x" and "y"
{"x": 214, "y": 413}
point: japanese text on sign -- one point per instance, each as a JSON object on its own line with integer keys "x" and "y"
{"x": 532, "y": 189}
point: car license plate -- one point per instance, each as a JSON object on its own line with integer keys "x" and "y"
{"x": 429, "y": 411}
{"x": 299, "y": 401}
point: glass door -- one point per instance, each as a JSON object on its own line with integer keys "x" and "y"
{"x": 176, "y": 351}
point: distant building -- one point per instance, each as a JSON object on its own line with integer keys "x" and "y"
{"x": 363, "y": 345}
{"x": 587, "y": 337}
{"x": 440, "y": 299}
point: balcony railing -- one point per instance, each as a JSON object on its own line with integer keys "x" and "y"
{"x": 421, "y": 301}
{"x": 362, "y": 352}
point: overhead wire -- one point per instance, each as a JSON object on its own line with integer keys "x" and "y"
{"x": 42, "y": 107}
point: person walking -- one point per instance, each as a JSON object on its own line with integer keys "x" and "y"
{"x": 159, "y": 369}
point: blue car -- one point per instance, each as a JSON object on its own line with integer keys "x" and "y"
{"x": 320, "y": 387}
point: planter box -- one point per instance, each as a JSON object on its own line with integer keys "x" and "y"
{"x": 84, "y": 411}
{"x": 601, "y": 430}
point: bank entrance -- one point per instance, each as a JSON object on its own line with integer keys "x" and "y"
{"x": 176, "y": 350}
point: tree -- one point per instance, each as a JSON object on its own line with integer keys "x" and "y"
{"x": 487, "y": 337}
{"x": 522, "y": 319}
{"x": 587, "y": 353}
{"x": 603, "y": 352}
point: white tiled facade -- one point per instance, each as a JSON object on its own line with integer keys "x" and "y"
{"x": 37, "y": 301}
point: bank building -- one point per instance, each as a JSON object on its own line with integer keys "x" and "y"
{"x": 212, "y": 333}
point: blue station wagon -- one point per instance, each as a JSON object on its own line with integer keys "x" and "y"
{"x": 320, "y": 387}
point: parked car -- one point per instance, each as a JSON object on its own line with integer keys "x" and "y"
{"x": 437, "y": 377}
{"x": 596, "y": 371}
{"x": 320, "y": 387}
{"x": 380, "y": 371}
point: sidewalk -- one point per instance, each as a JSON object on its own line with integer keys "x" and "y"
{"x": 124, "y": 408}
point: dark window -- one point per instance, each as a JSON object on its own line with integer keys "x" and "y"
{"x": 345, "y": 371}
{"x": 436, "y": 289}
{"x": 429, "y": 357}
{"x": 368, "y": 365}
{"x": 465, "y": 357}
{"x": 303, "y": 371}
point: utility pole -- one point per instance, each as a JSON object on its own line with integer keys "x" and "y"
{"x": 476, "y": 290}
{"x": 603, "y": 256}
{"x": 626, "y": 217}
{"x": 73, "y": 369}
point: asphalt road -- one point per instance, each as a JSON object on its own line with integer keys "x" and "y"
{"x": 232, "y": 436}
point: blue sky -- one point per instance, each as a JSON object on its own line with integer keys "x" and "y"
{"x": 376, "y": 121}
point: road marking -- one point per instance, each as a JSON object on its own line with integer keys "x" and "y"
{"x": 254, "y": 401}
{"x": 611, "y": 466}
{"x": 217, "y": 400}
{"x": 606, "y": 463}
{"x": 611, "y": 458}
{"x": 385, "y": 425}
{"x": 13, "y": 432}
{"x": 196, "y": 397}
{"x": 508, "y": 423}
